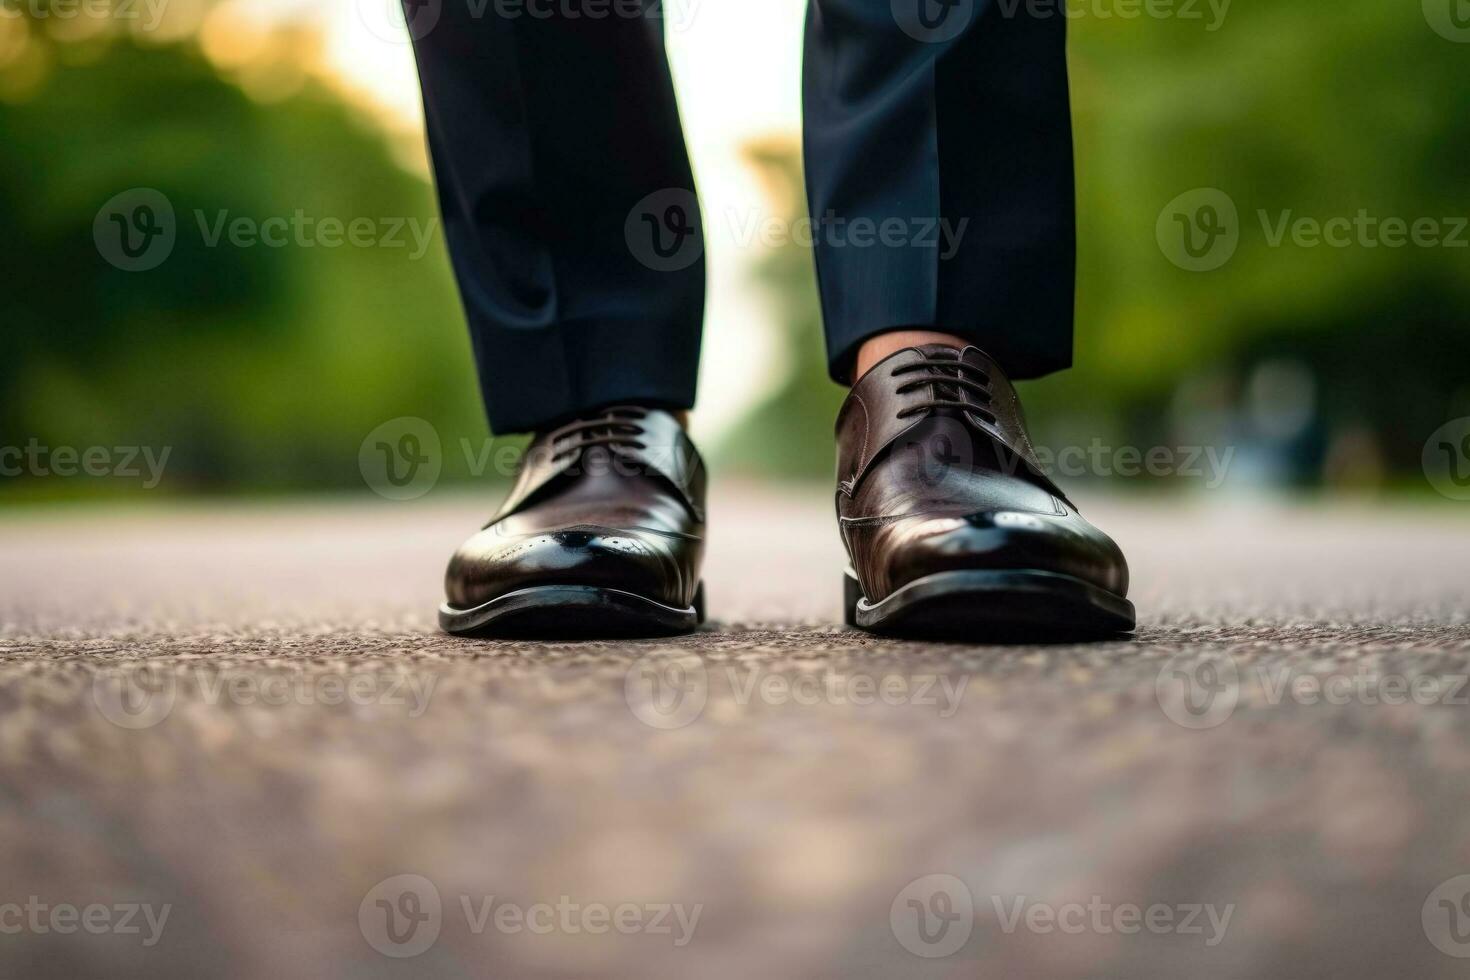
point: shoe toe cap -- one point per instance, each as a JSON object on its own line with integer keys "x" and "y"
{"x": 1004, "y": 539}
{"x": 491, "y": 564}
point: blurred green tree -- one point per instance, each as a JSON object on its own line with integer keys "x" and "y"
{"x": 261, "y": 366}
{"x": 1292, "y": 111}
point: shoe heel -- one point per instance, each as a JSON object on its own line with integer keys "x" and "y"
{"x": 852, "y": 591}
{"x": 699, "y": 603}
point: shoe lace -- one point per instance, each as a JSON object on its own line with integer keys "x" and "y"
{"x": 616, "y": 427}
{"x": 947, "y": 372}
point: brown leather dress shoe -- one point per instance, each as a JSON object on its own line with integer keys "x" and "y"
{"x": 950, "y": 524}
{"x": 602, "y": 535}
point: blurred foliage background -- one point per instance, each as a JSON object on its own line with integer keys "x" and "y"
{"x": 265, "y": 368}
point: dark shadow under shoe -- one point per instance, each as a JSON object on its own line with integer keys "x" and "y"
{"x": 951, "y": 526}
{"x": 601, "y": 536}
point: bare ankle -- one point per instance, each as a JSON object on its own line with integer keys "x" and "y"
{"x": 875, "y": 348}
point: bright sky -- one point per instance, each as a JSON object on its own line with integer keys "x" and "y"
{"x": 737, "y": 69}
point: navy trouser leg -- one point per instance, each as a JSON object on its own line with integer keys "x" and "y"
{"x": 939, "y": 172}
{"x": 568, "y": 204}
{"x": 947, "y": 123}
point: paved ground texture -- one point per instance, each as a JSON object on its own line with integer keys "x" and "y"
{"x": 232, "y": 744}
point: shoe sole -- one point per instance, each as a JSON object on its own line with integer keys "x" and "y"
{"x": 1002, "y": 605}
{"x": 572, "y": 612}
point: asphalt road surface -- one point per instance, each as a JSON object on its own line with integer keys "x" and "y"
{"x": 232, "y": 744}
